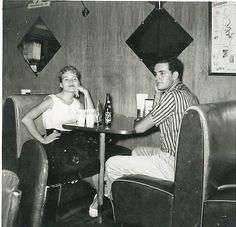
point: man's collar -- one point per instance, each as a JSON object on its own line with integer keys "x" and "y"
{"x": 173, "y": 85}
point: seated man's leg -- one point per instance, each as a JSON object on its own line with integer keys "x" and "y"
{"x": 146, "y": 151}
{"x": 159, "y": 165}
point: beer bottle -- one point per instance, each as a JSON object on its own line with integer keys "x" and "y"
{"x": 108, "y": 110}
{"x": 99, "y": 113}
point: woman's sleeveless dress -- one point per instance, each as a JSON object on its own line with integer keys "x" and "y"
{"x": 75, "y": 154}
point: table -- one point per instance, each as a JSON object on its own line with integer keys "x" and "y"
{"x": 121, "y": 125}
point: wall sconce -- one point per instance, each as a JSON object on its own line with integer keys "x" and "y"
{"x": 85, "y": 11}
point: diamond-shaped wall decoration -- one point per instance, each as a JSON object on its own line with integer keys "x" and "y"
{"x": 38, "y": 46}
{"x": 159, "y": 36}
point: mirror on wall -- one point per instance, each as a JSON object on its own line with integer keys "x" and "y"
{"x": 38, "y": 46}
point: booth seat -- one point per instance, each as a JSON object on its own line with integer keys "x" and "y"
{"x": 11, "y": 196}
{"x": 26, "y": 156}
{"x": 203, "y": 192}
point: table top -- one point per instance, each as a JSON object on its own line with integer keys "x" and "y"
{"x": 120, "y": 125}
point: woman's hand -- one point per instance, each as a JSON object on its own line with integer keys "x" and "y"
{"x": 80, "y": 89}
{"x": 88, "y": 102}
{"x": 50, "y": 138}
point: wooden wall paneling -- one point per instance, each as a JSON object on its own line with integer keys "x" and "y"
{"x": 193, "y": 17}
{"x": 96, "y": 46}
{"x": 54, "y": 17}
{"x": 74, "y": 44}
{"x": 20, "y": 21}
{"x": 14, "y": 62}
{"x": 93, "y": 51}
{"x": 197, "y": 51}
{"x": 137, "y": 78}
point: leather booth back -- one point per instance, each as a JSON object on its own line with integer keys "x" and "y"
{"x": 206, "y": 154}
{"x": 189, "y": 171}
{"x": 14, "y": 132}
{"x": 219, "y": 126}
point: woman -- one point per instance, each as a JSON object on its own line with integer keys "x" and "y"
{"x": 71, "y": 154}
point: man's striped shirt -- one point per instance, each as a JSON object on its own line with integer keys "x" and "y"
{"x": 168, "y": 112}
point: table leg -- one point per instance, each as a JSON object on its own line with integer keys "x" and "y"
{"x": 101, "y": 176}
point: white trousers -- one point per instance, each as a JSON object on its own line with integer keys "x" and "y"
{"x": 150, "y": 161}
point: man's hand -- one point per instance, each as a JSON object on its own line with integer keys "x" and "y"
{"x": 157, "y": 95}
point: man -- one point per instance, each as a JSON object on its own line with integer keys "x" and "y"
{"x": 171, "y": 100}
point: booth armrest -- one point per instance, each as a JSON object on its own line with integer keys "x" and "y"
{"x": 152, "y": 182}
{"x": 33, "y": 174}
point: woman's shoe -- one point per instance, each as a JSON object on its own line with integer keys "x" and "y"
{"x": 93, "y": 212}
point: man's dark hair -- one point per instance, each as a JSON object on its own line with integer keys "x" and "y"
{"x": 174, "y": 65}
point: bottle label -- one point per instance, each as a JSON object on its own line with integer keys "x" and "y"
{"x": 107, "y": 117}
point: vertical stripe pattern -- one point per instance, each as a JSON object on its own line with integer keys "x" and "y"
{"x": 168, "y": 112}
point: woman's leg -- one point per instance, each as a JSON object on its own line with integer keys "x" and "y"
{"x": 93, "y": 180}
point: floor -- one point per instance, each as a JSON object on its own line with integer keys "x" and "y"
{"x": 75, "y": 216}
{"x": 84, "y": 220}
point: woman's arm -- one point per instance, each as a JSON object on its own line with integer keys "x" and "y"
{"x": 28, "y": 121}
{"x": 87, "y": 98}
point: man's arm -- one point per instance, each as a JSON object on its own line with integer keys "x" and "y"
{"x": 159, "y": 113}
{"x": 147, "y": 122}
{"x": 144, "y": 124}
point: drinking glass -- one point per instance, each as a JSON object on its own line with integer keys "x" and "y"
{"x": 140, "y": 100}
{"x": 81, "y": 117}
{"x": 90, "y": 117}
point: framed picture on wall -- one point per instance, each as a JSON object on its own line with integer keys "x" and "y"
{"x": 222, "y": 45}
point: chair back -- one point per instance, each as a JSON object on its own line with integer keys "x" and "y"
{"x": 10, "y": 198}
{"x": 14, "y": 131}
